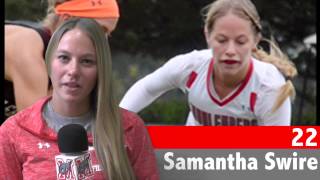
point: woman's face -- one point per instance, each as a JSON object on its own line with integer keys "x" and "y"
{"x": 74, "y": 68}
{"x": 232, "y": 40}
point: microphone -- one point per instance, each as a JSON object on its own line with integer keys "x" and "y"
{"x": 74, "y": 161}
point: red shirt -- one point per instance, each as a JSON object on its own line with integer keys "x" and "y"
{"x": 28, "y": 146}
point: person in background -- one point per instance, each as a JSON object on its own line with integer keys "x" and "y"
{"x": 79, "y": 65}
{"x": 234, "y": 82}
{"x": 26, "y": 78}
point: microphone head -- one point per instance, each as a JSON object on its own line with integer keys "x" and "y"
{"x": 72, "y": 138}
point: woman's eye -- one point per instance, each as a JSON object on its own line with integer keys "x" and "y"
{"x": 241, "y": 42}
{"x": 87, "y": 61}
{"x": 221, "y": 41}
{"x": 63, "y": 58}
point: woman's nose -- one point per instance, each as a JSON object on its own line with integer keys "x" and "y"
{"x": 73, "y": 68}
{"x": 230, "y": 49}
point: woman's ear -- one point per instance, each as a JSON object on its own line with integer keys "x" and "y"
{"x": 206, "y": 34}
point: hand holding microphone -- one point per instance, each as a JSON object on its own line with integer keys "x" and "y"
{"x": 74, "y": 162}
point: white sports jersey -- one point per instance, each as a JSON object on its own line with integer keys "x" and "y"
{"x": 249, "y": 104}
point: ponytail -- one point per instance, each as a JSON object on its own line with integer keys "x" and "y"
{"x": 51, "y": 19}
{"x": 284, "y": 65}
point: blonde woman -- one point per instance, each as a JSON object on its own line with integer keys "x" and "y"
{"x": 26, "y": 78}
{"x": 79, "y": 65}
{"x": 233, "y": 82}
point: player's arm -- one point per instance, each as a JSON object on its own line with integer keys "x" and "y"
{"x": 171, "y": 75}
{"x": 28, "y": 70}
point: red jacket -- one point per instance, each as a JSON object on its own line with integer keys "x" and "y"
{"x": 28, "y": 146}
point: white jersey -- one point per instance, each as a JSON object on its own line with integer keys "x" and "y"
{"x": 249, "y": 104}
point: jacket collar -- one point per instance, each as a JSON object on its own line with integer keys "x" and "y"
{"x": 31, "y": 120}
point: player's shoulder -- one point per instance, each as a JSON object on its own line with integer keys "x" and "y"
{"x": 268, "y": 74}
{"x": 191, "y": 59}
{"x": 197, "y": 55}
{"x": 21, "y": 33}
{"x": 22, "y": 42}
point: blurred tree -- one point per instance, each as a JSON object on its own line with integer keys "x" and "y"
{"x": 167, "y": 28}
{"x": 25, "y": 9}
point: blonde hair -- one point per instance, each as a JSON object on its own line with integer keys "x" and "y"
{"x": 51, "y": 20}
{"x": 247, "y": 10}
{"x": 108, "y": 132}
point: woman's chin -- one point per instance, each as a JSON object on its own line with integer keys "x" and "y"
{"x": 71, "y": 98}
{"x": 230, "y": 72}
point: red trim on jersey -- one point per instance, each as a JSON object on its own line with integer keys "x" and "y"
{"x": 253, "y": 99}
{"x": 193, "y": 75}
{"x": 236, "y": 93}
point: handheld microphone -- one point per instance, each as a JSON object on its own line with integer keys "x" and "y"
{"x": 74, "y": 162}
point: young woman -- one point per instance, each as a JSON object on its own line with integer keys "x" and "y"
{"x": 232, "y": 83}
{"x": 25, "y": 44}
{"x": 79, "y": 65}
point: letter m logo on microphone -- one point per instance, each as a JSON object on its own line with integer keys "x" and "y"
{"x": 65, "y": 169}
{"x": 84, "y": 166}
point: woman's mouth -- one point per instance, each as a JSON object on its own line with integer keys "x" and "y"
{"x": 230, "y": 61}
{"x": 72, "y": 85}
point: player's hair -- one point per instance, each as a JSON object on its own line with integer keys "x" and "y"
{"x": 51, "y": 19}
{"x": 246, "y": 9}
{"x": 107, "y": 129}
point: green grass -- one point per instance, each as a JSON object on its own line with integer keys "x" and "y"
{"x": 172, "y": 112}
